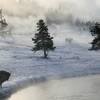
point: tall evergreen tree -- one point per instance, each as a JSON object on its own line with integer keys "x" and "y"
{"x": 95, "y": 31}
{"x": 43, "y": 41}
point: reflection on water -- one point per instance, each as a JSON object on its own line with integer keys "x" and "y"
{"x": 86, "y": 88}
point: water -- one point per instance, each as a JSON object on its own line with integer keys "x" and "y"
{"x": 82, "y": 88}
{"x": 71, "y": 37}
{"x": 70, "y": 59}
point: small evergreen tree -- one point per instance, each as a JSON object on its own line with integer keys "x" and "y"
{"x": 95, "y": 31}
{"x": 43, "y": 40}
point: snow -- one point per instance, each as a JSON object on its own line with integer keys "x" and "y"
{"x": 70, "y": 59}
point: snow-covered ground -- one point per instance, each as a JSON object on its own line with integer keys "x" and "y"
{"x": 70, "y": 59}
{"x": 65, "y": 19}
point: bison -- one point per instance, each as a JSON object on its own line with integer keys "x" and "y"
{"x": 4, "y": 76}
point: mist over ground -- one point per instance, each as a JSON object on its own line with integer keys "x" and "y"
{"x": 53, "y": 10}
{"x": 65, "y": 20}
{"x": 22, "y": 15}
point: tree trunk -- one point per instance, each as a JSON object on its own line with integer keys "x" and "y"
{"x": 45, "y": 53}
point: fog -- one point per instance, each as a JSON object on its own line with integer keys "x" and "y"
{"x": 21, "y": 16}
{"x": 53, "y": 10}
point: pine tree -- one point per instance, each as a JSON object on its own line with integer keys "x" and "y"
{"x": 43, "y": 41}
{"x": 95, "y": 31}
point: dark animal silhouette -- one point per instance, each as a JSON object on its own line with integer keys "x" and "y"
{"x": 4, "y": 76}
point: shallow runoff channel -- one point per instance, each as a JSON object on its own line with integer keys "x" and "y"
{"x": 79, "y": 88}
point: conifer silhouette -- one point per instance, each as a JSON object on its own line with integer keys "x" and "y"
{"x": 43, "y": 41}
{"x": 95, "y": 31}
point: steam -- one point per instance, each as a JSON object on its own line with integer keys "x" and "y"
{"x": 65, "y": 89}
{"x": 20, "y": 8}
{"x": 53, "y": 10}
